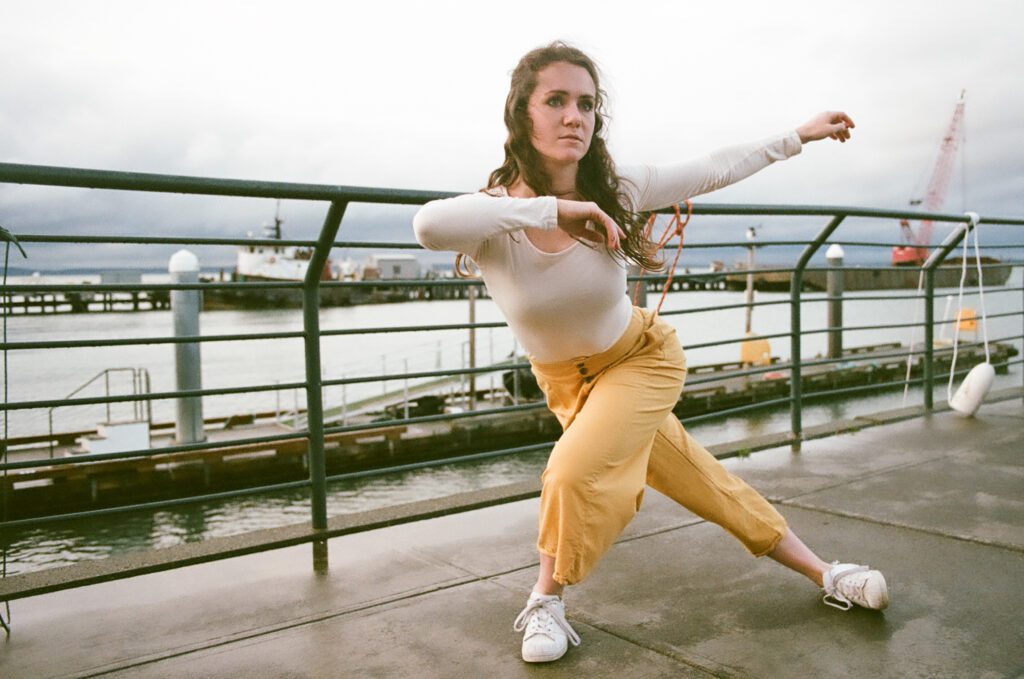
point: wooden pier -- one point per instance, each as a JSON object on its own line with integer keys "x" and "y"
{"x": 85, "y": 302}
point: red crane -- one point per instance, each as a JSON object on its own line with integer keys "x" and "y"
{"x": 915, "y": 250}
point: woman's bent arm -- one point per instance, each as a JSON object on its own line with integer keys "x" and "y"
{"x": 462, "y": 223}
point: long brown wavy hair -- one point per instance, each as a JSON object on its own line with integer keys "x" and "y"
{"x": 596, "y": 179}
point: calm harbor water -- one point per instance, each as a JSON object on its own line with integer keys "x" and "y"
{"x": 51, "y": 374}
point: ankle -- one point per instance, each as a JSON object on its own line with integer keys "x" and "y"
{"x": 550, "y": 589}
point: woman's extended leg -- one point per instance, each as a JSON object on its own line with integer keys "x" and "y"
{"x": 792, "y": 553}
{"x": 546, "y": 583}
{"x": 685, "y": 471}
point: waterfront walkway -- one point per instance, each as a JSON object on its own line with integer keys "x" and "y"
{"x": 937, "y": 503}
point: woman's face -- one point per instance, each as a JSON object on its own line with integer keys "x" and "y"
{"x": 561, "y": 110}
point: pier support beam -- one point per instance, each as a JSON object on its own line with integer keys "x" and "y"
{"x": 185, "y": 306}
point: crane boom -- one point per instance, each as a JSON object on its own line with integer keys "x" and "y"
{"x": 915, "y": 252}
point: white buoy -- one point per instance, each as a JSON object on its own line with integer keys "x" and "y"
{"x": 185, "y": 306}
{"x": 972, "y": 390}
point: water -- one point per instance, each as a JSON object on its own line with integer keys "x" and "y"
{"x": 49, "y": 374}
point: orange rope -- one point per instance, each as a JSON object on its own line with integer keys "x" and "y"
{"x": 675, "y": 228}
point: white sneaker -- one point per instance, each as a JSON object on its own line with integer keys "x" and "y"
{"x": 547, "y": 631}
{"x": 846, "y": 584}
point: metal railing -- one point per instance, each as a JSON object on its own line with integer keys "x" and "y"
{"x": 141, "y": 410}
{"x": 338, "y": 199}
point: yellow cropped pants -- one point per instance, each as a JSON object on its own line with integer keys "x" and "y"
{"x": 619, "y": 434}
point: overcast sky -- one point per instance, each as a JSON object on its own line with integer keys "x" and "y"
{"x": 410, "y": 95}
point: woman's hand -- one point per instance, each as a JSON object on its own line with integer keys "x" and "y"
{"x": 586, "y": 221}
{"x": 831, "y": 124}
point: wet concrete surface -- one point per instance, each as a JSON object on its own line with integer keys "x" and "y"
{"x": 936, "y": 503}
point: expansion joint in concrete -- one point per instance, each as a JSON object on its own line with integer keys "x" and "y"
{"x": 705, "y": 665}
{"x": 901, "y": 525}
{"x": 272, "y": 629}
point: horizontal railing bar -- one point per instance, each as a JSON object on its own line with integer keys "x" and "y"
{"x": 191, "y": 339}
{"x": 709, "y": 378}
{"x": 440, "y": 463}
{"x": 704, "y": 345}
{"x": 421, "y": 419}
{"x": 242, "y": 188}
{"x": 737, "y": 305}
{"x": 163, "y": 240}
{"x": 132, "y": 341}
{"x": 1003, "y": 314}
{"x": 151, "y": 396}
{"x": 732, "y": 209}
{"x": 23, "y": 288}
{"x": 414, "y": 328}
{"x": 855, "y": 328}
{"x": 161, "y": 183}
{"x": 68, "y": 344}
{"x": 864, "y": 387}
{"x": 738, "y": 409}
{"x": 158, "y": 504}
{"x": 151, "y": 452}
{"x": 36, "y": 288}
{"x": 391, "y": 377}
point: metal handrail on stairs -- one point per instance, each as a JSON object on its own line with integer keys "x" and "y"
{"x": 141, "y": 410}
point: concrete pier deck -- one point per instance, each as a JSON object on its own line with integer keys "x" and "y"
{"x": 937, "y": 503}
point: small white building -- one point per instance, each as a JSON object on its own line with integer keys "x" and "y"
{"x": 393, "y": 267}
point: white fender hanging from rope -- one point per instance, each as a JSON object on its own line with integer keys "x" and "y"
{"x": 972, "y": 390}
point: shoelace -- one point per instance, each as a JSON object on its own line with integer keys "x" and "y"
{"x": 539, "y": 616}
{"x": 838, "y": 599}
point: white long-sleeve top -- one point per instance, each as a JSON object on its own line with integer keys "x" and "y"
{"x": 573, "y": 303}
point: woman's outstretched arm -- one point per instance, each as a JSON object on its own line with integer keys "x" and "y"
{"x": 661, "y": 186}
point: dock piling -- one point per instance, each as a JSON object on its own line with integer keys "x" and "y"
{"x": 834, "y": 291}
{"x": 185, "y": 306}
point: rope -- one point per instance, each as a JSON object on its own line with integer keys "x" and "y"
{"x": 675, "y": 228}
{"x": 960, "y": 302}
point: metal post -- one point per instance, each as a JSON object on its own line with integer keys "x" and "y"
{"x": 834, "y": 292}
{"x": 314, "y": 383}
{"x": 751, "y": 236}
{"x": 795, "y": 286}
{"x": 344, "y": 402}
{"x": 106, "y": 392}
{"x": 641, "y": 294}
{"x": 405, "y": 387}
{"x": 938, "y": 255}
{"x": 929, "y": 337}
{"x": 515, "y": 372}
{"x": 185, "y": 305}
{"x": 472, "y": 348}
{"x": 490, "y": 360}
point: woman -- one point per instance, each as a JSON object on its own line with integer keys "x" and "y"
{"x": 551, "y": 236}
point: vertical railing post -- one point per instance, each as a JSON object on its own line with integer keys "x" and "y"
{"x": 928, "y": 363}
{"x": 795, "y": 287}
{"x": 938, "y": 256}
{"x": 314, "y": 378}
